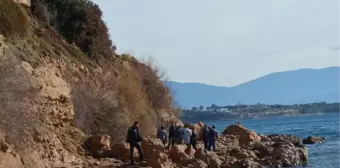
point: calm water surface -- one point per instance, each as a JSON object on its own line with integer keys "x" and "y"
{"x": 320, "y": 155}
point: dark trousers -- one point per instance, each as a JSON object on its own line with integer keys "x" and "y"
{"x": 140, "y": 151}
{"x": 171, "y": 142}
{"x": 206, "y": 144}
{"x": 194, "y": 145}
{"x": 212, "y": 143}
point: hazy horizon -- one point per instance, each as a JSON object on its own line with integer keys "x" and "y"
{"x": 226, "y": 43}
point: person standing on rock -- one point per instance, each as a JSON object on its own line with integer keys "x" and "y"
{"x": 205, "y": 137}
{"x": 193, "y": 139}
{"x": 178, "y": 138}
{"x": 162, "y": 135}
{"x": 186, "y": 135}
{"x": 171, "y": 135}
{"x": 213, "y": 135}
{"x": 134, "y": 139}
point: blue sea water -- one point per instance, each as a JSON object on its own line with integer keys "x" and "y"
{"x": 324, "y": 155}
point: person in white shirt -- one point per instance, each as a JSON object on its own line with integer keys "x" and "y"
{"x": 186, "y": 132}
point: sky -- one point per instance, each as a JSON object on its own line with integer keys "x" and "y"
{"x": 226, "y": 43}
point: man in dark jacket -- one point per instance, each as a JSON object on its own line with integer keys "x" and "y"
{"x": 134, "y": 139}
{"x": 162, "y": 135}
{"x": 205, "y": 137}
{"x": 171, "y": 135}
{"x": 178, "y": 135}
{"x": 193, "y": 139}
{"x": 213, "y": 135}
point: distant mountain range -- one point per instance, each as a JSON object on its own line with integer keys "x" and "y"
{"x": 288, "y": 87}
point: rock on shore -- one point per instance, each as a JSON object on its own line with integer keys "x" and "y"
{"x": 314, "y": 140}
{"x": 237, "y": 147}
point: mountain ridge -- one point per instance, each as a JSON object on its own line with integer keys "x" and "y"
{"x": 305, "y": 85}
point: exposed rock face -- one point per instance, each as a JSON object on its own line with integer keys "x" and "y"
{"x": 314, "y": 140}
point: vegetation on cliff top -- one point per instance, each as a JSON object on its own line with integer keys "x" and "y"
{"x": 13, "y": 19}
{"x": 80, "y": 22}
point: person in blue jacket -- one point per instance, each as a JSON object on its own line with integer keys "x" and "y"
{"x": 213, "y": 135}
{"x": 134, "y": 139}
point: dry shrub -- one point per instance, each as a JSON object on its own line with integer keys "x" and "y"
{"x": 131, "y": 91}
{"x": 79, "y": 22}
{"x": 133, "y": 95}
{"x": 13, "y": 19}
{"x": 96, "y": 105}
{"x": 155, "y": 68}
{"x": 153, "y": 76}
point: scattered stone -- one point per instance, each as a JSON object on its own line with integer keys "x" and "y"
{"x": 4, "y": 147}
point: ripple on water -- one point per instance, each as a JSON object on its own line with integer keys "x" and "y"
{"x": 324, "y": 155}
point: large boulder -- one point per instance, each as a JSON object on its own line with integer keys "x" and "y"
{"x": 148, "y": 145}
{"x": 98, "y": 145}
{"x": 154, "y": 153}
{"x": 198, "y": 129}
{"x": 289, "y": 155}
{"x": 177, "y": 155}
{"x": 245, "y": 136}
{"x": 158, "y": 159}
{"x": 314, "y": 140}
{"x": 122, "y": 151}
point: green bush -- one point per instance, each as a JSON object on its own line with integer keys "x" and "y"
{"x": 13, "y": 19}
{"x": 79, "y": 21}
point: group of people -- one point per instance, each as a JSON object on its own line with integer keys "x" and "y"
{"x": 175, "y": 135}
{"x": 179, "y": 135}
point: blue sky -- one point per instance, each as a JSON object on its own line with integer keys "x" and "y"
{"x": 224, "y": 42}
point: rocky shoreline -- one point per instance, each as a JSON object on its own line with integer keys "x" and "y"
{"x": 237, "y": 147}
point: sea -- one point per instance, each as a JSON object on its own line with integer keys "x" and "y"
{"x": 324, "y": 155}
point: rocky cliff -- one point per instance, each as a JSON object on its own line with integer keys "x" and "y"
{"x": 54, "y": 95}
